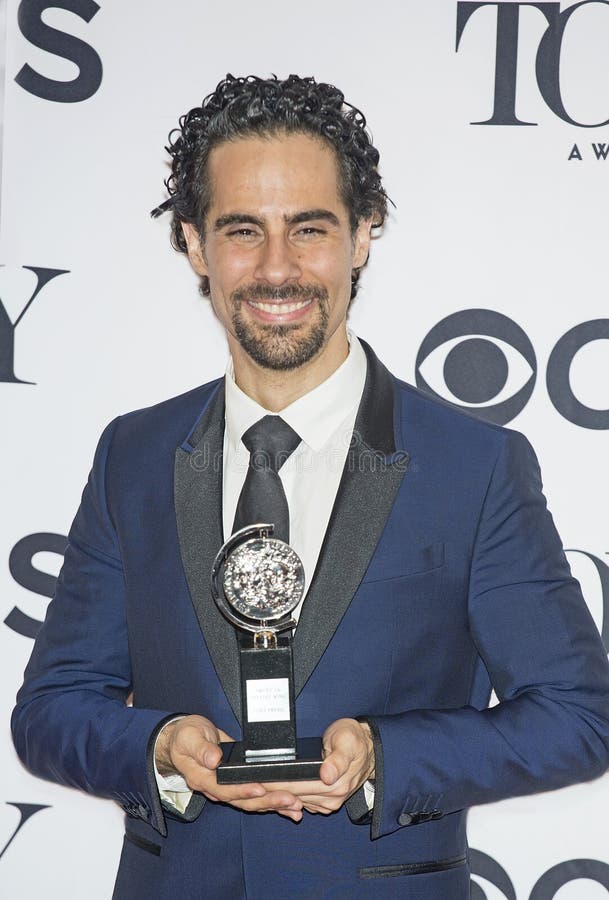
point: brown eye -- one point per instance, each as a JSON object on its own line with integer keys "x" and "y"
{"x": 243, "y": 234}
{"x": 310, "y": 231}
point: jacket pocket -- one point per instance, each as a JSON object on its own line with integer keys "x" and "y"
{"x": 410, "y": 561}
{"x": 142, "y": 843}
{"x": 420, "y": 868}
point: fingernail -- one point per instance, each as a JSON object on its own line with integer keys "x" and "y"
{"x": 209, "y": 760}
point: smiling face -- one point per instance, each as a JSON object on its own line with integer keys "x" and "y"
{"x": 279, "y": 252}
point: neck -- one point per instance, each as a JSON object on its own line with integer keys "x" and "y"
{"x": 275, "y": 389}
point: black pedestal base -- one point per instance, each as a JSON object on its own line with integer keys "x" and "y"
{"x": 304, "y": 766}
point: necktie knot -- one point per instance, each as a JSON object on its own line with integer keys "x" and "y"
{"x": 270, "y": 442}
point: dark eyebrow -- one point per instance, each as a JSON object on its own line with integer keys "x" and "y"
{"x": 313, "y": 214}
{"x": 237, "y": 219}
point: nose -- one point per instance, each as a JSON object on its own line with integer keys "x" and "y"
{"x": 278, "y": 261}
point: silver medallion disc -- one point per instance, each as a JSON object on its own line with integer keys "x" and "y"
{"x": 263, "y": 579}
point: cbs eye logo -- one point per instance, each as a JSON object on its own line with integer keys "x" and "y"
{"x": 483, "y": 361}
{"x": 547, "y": 887}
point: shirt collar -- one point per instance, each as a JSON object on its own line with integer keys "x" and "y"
{"x": 314, "y": 416}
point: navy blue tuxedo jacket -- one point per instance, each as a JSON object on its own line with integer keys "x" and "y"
{"x": 441, "y": 576}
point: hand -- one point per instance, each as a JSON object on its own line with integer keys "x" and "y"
{"x": 189, "y": 746}
{"x": 348, "y": 763}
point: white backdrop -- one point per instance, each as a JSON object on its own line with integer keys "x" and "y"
{"x": 489, "y": 217}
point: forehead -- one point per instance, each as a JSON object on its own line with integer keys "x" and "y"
{"x": 286, "y": 171}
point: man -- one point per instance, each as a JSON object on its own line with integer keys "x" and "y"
{"x": 433, "y": 568}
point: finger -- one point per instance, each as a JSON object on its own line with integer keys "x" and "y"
{"x": 290, "y": 814}
{"x": 211, "y": 756}
{"x": 343, "y": 744}
{"x": 235, "y": 793}
{"x": 204, "y": 782}
{"x": 200, "y": 778}
{"x": 334, "y": 766}
{"x": 196, "y": 738}
{"x": 276, "y": 801}
{"x": 202, "y": 756}
{"x": 259, "y": 794}
{"x": 270, "y": 803}
{"x": 327, "y": 803}
{"x": 316, "y": 809}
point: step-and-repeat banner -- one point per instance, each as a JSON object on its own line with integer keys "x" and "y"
{"x": 488, "y": 288}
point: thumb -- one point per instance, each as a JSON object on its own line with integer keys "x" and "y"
{"x": 212, "y": 756}
{"x": 329, "y": 772}
{"x": 337, "y": 758}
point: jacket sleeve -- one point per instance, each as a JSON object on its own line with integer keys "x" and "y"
{"x": 544, "y": 657}
{"x": 71, "y": 724}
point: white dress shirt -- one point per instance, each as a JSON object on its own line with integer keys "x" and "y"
{"x": 324, "y": 420}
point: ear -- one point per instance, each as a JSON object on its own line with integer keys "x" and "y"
{"x": 361, "y": 243}
{"x": 195, "y": 250}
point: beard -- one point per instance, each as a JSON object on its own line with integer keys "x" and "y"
{"x": 281, "y": 347}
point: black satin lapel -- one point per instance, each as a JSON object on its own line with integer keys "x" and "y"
{"x": 198, "y": 505}
{"x": 371, "y": 478}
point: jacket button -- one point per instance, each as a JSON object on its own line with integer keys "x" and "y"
{"x": 404, "y": 819}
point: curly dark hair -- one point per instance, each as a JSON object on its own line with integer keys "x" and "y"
{"x": 241, "y": 107}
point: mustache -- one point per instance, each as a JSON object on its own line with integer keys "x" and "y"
{"x": 266, "y": 292}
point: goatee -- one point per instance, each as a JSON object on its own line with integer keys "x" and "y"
{"x": 281, "y": 347}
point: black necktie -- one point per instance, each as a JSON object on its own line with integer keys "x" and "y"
{"x": 270, "y": 441}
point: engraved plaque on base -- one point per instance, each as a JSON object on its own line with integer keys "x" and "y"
{"x": 257, "y": 581}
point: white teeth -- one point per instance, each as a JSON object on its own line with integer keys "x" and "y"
{"x": 280, "y": 308}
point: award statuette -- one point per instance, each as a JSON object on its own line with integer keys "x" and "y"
{"x": 257, "y": 581}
